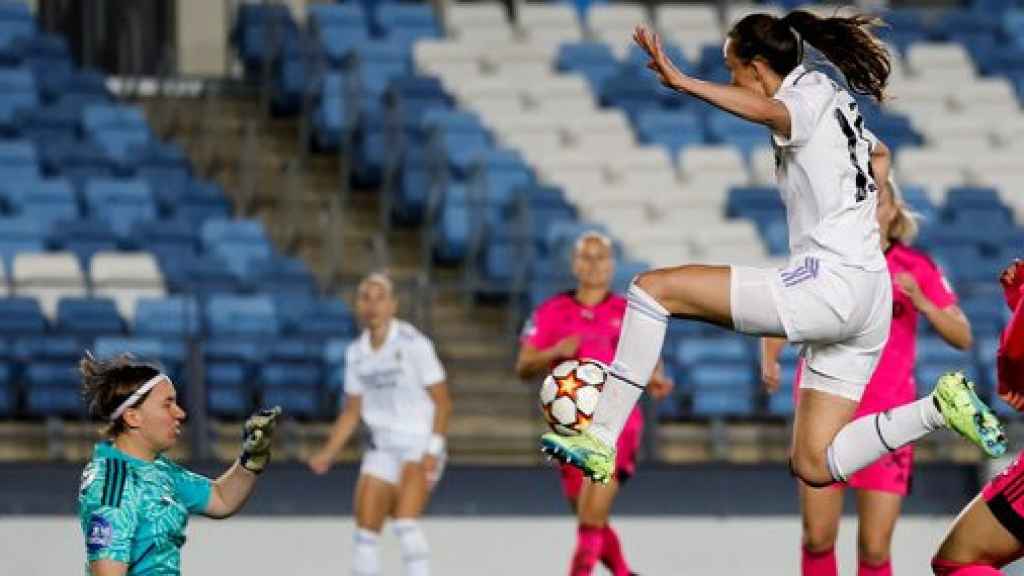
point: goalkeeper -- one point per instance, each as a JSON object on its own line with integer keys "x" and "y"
{"x": 133, "y": 502}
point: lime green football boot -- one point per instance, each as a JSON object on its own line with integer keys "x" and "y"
{"x": 583, "y": 451}
{"x": 965, "y": 413}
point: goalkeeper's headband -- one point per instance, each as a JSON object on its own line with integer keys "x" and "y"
{"x": 138, "y": 394}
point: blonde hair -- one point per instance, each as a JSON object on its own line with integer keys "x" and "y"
{"x": 380, "y": 279}
{"x": 595, "y": 235}
{"x": 905, "y": 226}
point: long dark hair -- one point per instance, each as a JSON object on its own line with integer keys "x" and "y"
{"x": 847, "y": 42}
{"x": 108, "y": 383}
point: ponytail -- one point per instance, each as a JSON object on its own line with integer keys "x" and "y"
{"x": 848, "y": 44}
{"x": 846, "y": 41}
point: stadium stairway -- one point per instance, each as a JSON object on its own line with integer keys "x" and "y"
{"x": 494, "y": 419}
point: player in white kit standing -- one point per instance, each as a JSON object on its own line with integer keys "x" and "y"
{"x": 834, "y": 298}
{"x": 395, "y": 383}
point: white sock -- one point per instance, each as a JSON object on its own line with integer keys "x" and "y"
{"x": 643, "y": 333}
{"x": 870, "y": 437}
{"x": 415, "y": 549}
{"x": 365, "y": 560}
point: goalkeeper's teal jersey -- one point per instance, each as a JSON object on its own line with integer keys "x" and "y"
{"x": 135, "y": 512}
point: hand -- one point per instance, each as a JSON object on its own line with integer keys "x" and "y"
{"x": 433, "y": 467}
{"x": 660, "y": 386}
{"x": 771, "y": 376}
{"x": 320, "y": 463}
{"x": 1015, "y": 399}
{"x": 566, "y": 348}
{"x": 257, "y": 437}
{"x": 1009, "y": 275}
{"x": 909, "y": 286}
{"x": 667, "y": 72}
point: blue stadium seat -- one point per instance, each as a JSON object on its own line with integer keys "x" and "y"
{"x": 18, "y": 161}
{"x": 83, "y": 237}
{"x": 18, "y": 92}
{"x": 759, "y": 203}
{"x": 88, "y": 317}
{"x": 722, "y": 390}
{"x": 339, "y": 28}
{"x": 8, "y": 394}
{"x": 319, "y": 318}
{"x": 198, "y": 275}
{"x": 48, "y": 123}
{"x": 203, "y": 200}
{"x": 231, "y": 348}
{"x": 227, "y": 393}
{"x": 258, "y": 32}
{"x": 52, "y": 389}
{"x": 722, "y": 350}
{"x": 45, "y": 201}
{"x": 21, "y": 316}
{"x": 451, "y": 228}
{"x": 19, "y": 235}
{"x": 724, "y": 128}
{"x": 405, "y": 23}
{"x": 594, "y": 60}
{"x": 294, "y": 386}
{"x": 177, "y": 236}
{"x": 166, "y": 169}
{"x": 49, "y": 58}
{"x": 334, "y": 363}
{"x": 170, "y": 317}
{"x": 120, "y": 203}
{"x": 16, "y": 25}
{"x": 334, "y": 116}
{"x": 279, "y": 274}
{"x": 236, "y": 242}
{"x": 377, "y": 63}
{"x": 79, "y": 161}
{"x": 47, "y": 347}
{"x": 297, "y": 74}
{"x": 241, "y": 316}
{"x": 674, "y": 130}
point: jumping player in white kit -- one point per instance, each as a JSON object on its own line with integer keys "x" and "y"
{"x": 395, "y": 383}
{"x": 834, "y": 298}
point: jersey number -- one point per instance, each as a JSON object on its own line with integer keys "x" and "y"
{"x": 864, "y": 183}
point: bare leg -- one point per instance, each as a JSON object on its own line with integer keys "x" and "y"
{"x": 819, "y": 417}
{"x": 977, "y": 537}
{"x": 877, "y": 512}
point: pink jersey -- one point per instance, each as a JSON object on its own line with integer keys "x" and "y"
{"x": 598, "y": 328}
{"x": 893, "y": 381}
{"x": 562, "y": 316}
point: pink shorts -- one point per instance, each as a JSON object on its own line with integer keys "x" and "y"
{"x": 890, "y": 473}
{"x": 625, "y": 457}
{"x": 1004, "y": 495}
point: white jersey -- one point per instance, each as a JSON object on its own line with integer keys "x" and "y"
{"x": 824, "y": 174}
{"x": 392, "y": 381}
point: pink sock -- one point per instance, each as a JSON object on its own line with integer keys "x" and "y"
{"x": 589, "y": 542}
{"x": 611, "y": 553}
{"x": 942, "y": 567}
{"x": 818, "y": 563}
{"x": 883, "y": 569}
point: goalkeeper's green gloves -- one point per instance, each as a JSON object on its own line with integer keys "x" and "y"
{"x": 256, "y": 439}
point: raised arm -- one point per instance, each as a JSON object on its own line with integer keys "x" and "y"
{"x": 733, "y": 99}
{"x": 232, "y": 489}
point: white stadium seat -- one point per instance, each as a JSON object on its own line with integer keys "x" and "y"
{"x": 48, "y": 276}
{"x": 125, "y": 277}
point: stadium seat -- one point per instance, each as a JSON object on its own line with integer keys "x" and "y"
{"x": 19, "y": 93}
{"x": 88, "y": 317}
{"x": 279, "y": 274}
{"x": 227, "y": 393}
{"x": 44, "y": 201}
{"x": 170, "y": 354}
{"x": 171, "y": 317}
{"x": 722, "y": 390}
{"x": 334, "y": 363}
{"x": 243, "y": 316}
{"x": 19, "y": 236}
{"x": 48, "y": 277}
{"x": 52, "y": 389}
{"x": 317, "y": 318}
{"x": 723, "y": 350}
{"x": 83, "y": 238}
{"x": 120, "y": 203}
{"x": 294, "y": 386}
{"x": 20, "y": 316}
{"x": 125, "y": 277}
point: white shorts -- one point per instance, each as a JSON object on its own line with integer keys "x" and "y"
{"x": 840, "y": 314}
{"x": 387, "y": 456}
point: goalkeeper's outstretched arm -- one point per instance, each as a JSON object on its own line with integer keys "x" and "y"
{"x": 230, "y": 492}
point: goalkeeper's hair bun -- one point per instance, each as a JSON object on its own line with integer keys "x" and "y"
{"x": 106, "y": 383}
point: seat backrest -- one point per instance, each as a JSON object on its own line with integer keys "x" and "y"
{"x": 50, "y": 268}
{"x": 170, "y": 316}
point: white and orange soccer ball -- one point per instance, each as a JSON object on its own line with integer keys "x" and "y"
{"x": 569, "y": 395}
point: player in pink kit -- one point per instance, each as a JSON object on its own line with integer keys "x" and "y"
{"x": 989, "y": 533}
{"x": 919, "y": 289}
{"x": 585, "y": 323}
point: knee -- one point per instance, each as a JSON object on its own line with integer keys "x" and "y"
{"x": 811, "y": 467}
{"x": 653, "y": 283}
{"x": 411, "y": 539}
{"x": 819, "y": 537}
{"x": 873, "y": 549}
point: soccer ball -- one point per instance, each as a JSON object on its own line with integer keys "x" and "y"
{"x": 569, "y": 395}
